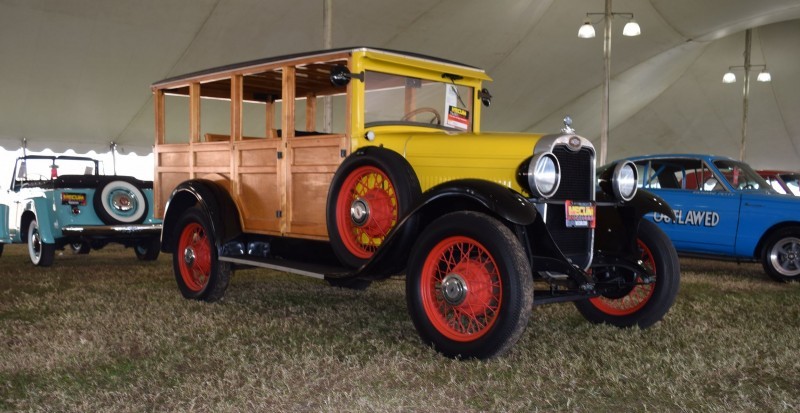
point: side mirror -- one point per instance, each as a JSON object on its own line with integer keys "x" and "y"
{"x": 341, "y": 76}
{"x": 485, "y": 97}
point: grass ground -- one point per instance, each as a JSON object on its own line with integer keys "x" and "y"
{"x": 105, "y": 332}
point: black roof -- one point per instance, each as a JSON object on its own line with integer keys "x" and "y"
{"x": 305, "y": 54}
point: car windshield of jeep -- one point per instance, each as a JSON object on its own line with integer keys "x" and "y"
{"x": 34, "y": 170}
{"x": 400, "y": 100}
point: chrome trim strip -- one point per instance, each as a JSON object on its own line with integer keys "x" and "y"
{"x": 111, "y": 229}
{"x": 273, "y": 267}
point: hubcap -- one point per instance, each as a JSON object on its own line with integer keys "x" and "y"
{"x": 359, "y": 211}
{"x": 122, "y": 202}
{"x": 454, "y": 289}
{"x": 188, "y": 256}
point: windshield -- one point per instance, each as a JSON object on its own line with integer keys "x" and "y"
{"x": 45, "y": 169}
{"x": 741, "y": 176}
{"x": 392, "y": 99}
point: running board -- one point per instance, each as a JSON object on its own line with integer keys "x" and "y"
{"x": 295, "y": 267}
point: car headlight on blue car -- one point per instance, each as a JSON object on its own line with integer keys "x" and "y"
{"x": 540, "y": 175}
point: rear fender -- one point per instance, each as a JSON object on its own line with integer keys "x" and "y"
{"x": 38, "y": 208}
{"x": 213, "y": 200}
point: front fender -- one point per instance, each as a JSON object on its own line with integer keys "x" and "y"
{"x": 459, "y": 195}
{"x": 213, "y": 200}
{"x": 617, "y": 223}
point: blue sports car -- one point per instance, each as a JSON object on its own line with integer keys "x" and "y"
{"x": 724, "y": 210}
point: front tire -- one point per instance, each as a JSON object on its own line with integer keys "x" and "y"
{"x": 40, "y": 252}
{"x": 781, "y": 255}
{"x": 469, "y": 286}
{"x": 80, "y": 247}
{"x": 199, "y": 272}
{"x": 643, "y": 304}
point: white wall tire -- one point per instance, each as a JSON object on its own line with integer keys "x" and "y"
{"x": 120, "y": 202}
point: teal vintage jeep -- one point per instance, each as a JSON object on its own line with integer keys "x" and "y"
{"x": 59, "y": 201}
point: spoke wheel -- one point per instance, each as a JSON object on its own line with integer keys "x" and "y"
{"x": 198, "y": 271}
{"x": 367, "y": 209}
{"x": 194, "y": 251}
{"x": 641, "y": 305}
{"x": 635, "y": 298}
{"x": 371, "y": 192}
{"x": 469, "y": 286}
{"x": 461, "y": 289}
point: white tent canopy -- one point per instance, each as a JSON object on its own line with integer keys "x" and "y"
{"x": 76, "y": 73}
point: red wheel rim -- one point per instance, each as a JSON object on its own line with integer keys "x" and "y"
{"x": 370, "y": 186}
{"x": 461, "y": 260}
{"x": 195, "y": 257}
{"x": 637, "y": 297}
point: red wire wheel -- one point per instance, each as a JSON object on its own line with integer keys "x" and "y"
{"x": 194, "y": 261}
{"x": 366, "y": 210}
{"x": 638, "y": 296}
{"x": 469, "y": 287}
{"x": 640, "y": 305}
{"x": 461, "y": 289}
{"x": 198, "y": 271}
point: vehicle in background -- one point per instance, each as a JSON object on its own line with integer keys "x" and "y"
{"x": 59, "y": 201}
{"x": 783, "y": 182}
{"x": 400, "y": 180}
{"x": 725, "y": 210}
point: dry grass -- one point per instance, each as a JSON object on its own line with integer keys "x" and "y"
{"x": 108, "y": 333}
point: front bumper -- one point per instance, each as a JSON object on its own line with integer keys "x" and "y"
{"x": 121, "y": 231}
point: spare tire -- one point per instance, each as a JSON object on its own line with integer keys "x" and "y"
{"x": 120, "y": 202}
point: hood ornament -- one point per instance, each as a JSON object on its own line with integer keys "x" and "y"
{"x": 567, "y": 129}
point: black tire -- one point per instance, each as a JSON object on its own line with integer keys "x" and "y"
{"x": 120, "y": 202}
{"x": 385, "y": 186}
{"x": 489, "y": 290}
{"x": 40, "y": 253}
{"x": 781, "y": 255}
{"x": 1, "y": 249}
{"x": 80, "y": 247}
{"x": 148, "y": 249}
{"x": 350, "y": 284}
{"x": 642, "y": 305}
{"x": 199, "y": 272}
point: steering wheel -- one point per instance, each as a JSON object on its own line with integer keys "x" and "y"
{"x": 436, "y": 116}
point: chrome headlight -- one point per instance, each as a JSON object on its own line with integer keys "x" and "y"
{"x": 543, "y": 175}
{"x": 624, "y": 180}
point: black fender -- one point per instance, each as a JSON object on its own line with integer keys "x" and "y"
{"x": 617, "y": 223}
{"x": 213, "y": 200}
{"x": 458, "y": 195}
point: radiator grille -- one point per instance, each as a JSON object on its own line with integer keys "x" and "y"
{"x": 577, "y": 183}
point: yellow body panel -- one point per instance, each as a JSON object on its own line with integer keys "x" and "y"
{"x": 440, "y": 156}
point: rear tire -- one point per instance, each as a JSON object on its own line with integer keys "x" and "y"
{"x": 469, "y": 286}
{"x": 199, "y": 272}
{"x": 781, "y": 255}
{"x": 644, "y": 304}
{"x": 148, "y": 250}
{"x": 80, "y": 247}
{"x": 41, "y": 253}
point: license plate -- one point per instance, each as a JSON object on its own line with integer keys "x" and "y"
{"x": 72, "y": 198}
{"x": 580, "y": 214}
